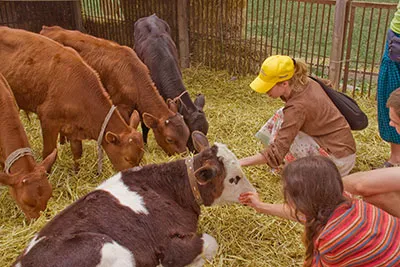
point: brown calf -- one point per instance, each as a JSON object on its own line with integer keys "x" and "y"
{"x": 27, "y": 180}
{"x": 129, "y": 84}
{"x": 144, "y": 216}
{"x": 54, "y": 82}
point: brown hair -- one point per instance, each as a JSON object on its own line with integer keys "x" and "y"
{"x": 394, "y": 101}
{"x": 313, "y": 186}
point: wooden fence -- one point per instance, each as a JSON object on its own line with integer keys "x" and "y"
{"x": 341, "y": 40}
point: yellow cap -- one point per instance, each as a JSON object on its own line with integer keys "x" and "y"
{"x": 273, "y": 70}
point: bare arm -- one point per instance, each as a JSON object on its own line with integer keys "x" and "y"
{"x": 373, "y": 182}
{"x": 256, "y": 159}
{"x": 281, "y": 210}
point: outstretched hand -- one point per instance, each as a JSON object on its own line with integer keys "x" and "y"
{"x": 251, "y": 199}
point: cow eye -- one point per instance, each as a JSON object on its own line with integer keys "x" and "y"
{"x": 169, "y": 140}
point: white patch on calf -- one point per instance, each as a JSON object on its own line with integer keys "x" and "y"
{"x": 210, "y": 248}
{"x": 116, "y": 187}
{"x": 235, "y": 181}
{"x": 115, "y": 255}
{"x": 18, "y": 264}
{"x": 33, "y": 242}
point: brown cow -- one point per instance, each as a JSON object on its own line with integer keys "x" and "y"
{"x": 54, "y": 82}
{"x": 145, "y": 216}
{"x": 27, "y": 180}
{"x": 129, "y": 84}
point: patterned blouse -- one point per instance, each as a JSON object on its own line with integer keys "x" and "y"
{"x": 359, "y": 234}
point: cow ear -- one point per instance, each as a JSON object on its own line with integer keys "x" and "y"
{"x": 200, "y": 141}
{"x": 48, "y": 162}
{"x": 173, "y": 106}
{"x": 205, "y": 174}
{"x": 112, "y": 138}
{"x": 150, "y": 121}
{"x": 6, "y": 179}
{"x": 200, "y": 101}
{"x": 134, "y": 120}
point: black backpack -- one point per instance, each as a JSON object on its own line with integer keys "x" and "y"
{"x": 347, "y": 106}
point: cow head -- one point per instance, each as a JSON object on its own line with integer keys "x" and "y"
{"x": 170, "y": 132}
{"x": 146, "y": 26}
{"x": 31, "y": 190}
{"x": 219, "y": 176}
{"x": 125, "y": 150}
{"x": 196, "y": 119}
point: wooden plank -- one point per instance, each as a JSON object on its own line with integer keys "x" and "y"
{"x": 76, "y": 7}
{"x": 324, "y": 2}
{"x": 337, "y": 41}
{"x": 183, "y": 33}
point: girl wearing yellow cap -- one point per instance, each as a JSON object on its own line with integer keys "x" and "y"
{"x": 309, "y": 124}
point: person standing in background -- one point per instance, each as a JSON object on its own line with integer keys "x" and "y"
{"x": 388, "y": 81}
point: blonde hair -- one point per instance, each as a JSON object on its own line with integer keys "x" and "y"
{"x": 300, "y": 77}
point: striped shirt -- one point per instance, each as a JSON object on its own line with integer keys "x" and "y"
{"x": 359, "y": 234}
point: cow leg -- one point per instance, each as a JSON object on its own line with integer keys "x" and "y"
{"x": 49, "y": 135}
{"x": 63, "y": 139}
{"x": 189, "y": 250}
{"x": 145, "y": 132}
{"x": 76, "y": 148}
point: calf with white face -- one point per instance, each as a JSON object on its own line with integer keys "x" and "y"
{"x": 144, "y": 216}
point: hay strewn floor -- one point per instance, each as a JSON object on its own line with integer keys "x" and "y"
{"x": 235, "y": 113}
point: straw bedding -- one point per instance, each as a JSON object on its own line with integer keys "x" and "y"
{"x": 235, "y": 113}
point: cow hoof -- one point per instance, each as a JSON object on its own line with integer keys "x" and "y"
{"x": 76, "y": 168}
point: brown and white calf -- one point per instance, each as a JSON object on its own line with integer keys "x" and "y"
{"x": 129, "y": 84}
{"x": 54, "y": 82}
{"x": 144, "y": 216}
{"x": 27, "y": 181}
{"x": 155, "y": 47}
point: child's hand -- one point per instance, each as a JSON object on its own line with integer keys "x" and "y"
{"x": 250, "y": 199}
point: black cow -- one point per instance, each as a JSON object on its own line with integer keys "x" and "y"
{"x": 154, "y": 46}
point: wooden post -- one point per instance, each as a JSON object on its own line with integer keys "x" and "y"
{"x": 76, "y": 7}
{"x": 335, "y": 64}
{"x": 183, "y": 33}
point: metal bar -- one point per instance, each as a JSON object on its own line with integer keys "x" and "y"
{"x": 262, "y": 55}
{"x": 348, "y": 51}
{"x": 297, "y": 27}
{"x": 309, "y": 30}
{"x": 290, "y": 26}
{"x": 313, "y": 42}
{"x": 302, "y": 30}
{"x": 366, "y": 52}
{"x": 279, "y": 28}
{"x": 251, "y": 33}
{"x": 256, "y": 36}
{"x": 358, "y": 50}
{"x": 272, "y": 28}
{"x": 326, "y": 39}
{"x": 284, "y": 27}
{"x": 320, "y": 38}
{"x": 240, "y": 37}
{"x": 237, "y": 40}
{"x": 374, "y": 54}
